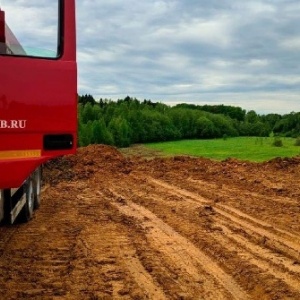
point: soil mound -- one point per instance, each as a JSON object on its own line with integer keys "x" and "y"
{"x": 86, "y": 162}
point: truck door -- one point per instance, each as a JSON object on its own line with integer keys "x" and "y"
{"x": 38, "y": 85}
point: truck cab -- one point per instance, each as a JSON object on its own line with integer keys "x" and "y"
{"x": 38, "y": 97}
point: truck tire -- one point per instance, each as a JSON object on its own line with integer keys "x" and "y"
{"x": 27, "y": 211}
{"x": 6, "y": 205}
{"x": 37, "y": 183}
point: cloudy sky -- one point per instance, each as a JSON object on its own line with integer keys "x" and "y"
{"x": 235, "y": 52}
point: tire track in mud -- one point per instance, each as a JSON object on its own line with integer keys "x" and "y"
{"x": 144, "y": 279}
{"x": 262, "y": 227}
{"x": 102, "y": 241}
{"x": 42, "y": 252}
{"x": 6, "y": 233}
{"x": 285, "y": 241}
{"x": 232, "y": 221}
{"x": 105, "y": 273}
{"x": 255, "y": 221}
{"x": 278, "y": 209}
{"x": 183, "y": 253}
{"x": 279, "y": 267}
{"x": 231, "y": 189}
{"x": 37, "y": 263}
{"x": 114, "y": 238}
{"x": 74, "y": 248}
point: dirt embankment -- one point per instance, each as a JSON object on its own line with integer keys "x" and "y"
{"x": 111, "y": 227}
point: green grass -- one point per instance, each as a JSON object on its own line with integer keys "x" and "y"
{"x": 243, "y": 148}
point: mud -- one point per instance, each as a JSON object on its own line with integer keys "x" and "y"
{"x": 116, "y": 227}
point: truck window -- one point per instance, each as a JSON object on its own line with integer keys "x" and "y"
{"x": 29, "y": 28}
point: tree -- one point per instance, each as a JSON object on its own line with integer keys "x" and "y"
{"x": 120, "y": 131}
{"x": 85, "y": 134}
{"x": 87, "y": 113}
{"x": 251, "y": 117}
{"x": 223, "y": 125}
{"x": 87, "y": 98}
{"x": 131, "y": 121}
{"x": 205, "y": 128}
{"x": 101, "y": 134}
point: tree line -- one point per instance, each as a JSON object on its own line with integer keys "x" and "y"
{"x": 129, "y": 121}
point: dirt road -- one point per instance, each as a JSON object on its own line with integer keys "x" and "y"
{"x": 111, "y": 227}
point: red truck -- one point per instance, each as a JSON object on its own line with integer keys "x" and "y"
{"x": 38, "y": 104}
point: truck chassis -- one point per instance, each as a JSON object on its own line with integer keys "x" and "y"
{"x": 19, "y": 203}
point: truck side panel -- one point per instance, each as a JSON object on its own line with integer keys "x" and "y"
{"x": 38, "y": 105}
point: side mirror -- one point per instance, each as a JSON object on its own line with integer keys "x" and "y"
{"x": 2, "y": 26}
{"x": 2, "y": 32}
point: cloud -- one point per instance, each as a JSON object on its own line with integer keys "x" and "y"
{"x": 231, "y": 51}
{"x": 291, "y": 43}
{"x": 35, "y": 23}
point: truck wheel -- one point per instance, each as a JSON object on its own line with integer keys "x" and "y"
{"x": 27, "y": 211}
{"x": 37, "y": 176}
{"x": 6, "y": 194}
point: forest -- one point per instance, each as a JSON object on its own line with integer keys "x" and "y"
{"x": 130, "y": 121}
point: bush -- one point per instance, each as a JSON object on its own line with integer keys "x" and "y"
{"x": 277, "y": 142}
{"x": 297, "y": 142}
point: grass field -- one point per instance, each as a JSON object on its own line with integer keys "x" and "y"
{"x": 244, "y": 148}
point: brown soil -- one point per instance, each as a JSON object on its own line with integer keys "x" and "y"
{"x": 116, "y": 227}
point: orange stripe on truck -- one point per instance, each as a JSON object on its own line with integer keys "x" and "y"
{"x": 20, "y": 154}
